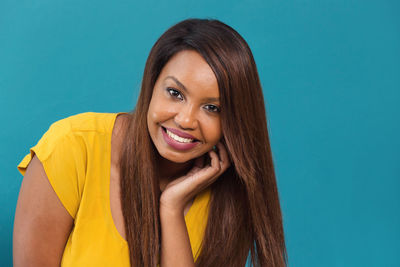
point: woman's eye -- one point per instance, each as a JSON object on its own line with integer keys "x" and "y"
{"x": 175, "y": 93}
{"x": 212, "y": 108}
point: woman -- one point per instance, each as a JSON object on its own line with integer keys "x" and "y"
{"x": 186, "y": 179}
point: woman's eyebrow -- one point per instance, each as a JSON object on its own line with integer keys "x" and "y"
{"x": 212, "y": 99}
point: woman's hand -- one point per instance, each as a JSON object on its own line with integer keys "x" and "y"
{"x": 175, "y": 244}
{"x": 181, "y": 190}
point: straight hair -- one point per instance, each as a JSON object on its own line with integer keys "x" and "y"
{"x": 244, "y": 210}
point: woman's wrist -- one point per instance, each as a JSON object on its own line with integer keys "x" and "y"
{"x": 168, "y": 211}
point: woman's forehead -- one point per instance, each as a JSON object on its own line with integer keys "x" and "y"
{"x": 189, "y": 70}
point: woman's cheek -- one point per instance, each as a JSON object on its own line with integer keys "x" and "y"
{"x": 160, "y": 110}
{"x": 212, "y": 129}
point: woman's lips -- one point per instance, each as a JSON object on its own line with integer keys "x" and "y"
{"x": 177, "y": 145}
{"x": 180, "y": 133}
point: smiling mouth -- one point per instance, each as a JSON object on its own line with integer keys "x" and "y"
{"x": 178, "y": 138}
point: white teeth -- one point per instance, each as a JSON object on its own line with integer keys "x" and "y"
{"x": 178, "y": 138}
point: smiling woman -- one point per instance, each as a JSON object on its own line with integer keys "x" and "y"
{"x": 185, "y": 179}
{"x": 181, "y": 100}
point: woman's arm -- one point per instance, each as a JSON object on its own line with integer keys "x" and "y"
{"x": 42, "y": 224}
{"x": 175, "y": 243}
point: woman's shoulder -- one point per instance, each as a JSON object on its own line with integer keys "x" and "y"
{"x": 71, "y": 134}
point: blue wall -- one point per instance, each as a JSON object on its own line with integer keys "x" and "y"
{"x": 331, "y": 77}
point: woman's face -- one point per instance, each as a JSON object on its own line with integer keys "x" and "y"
{"x": 184, "y": 113}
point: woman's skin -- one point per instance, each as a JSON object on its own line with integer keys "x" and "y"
{"x": 182, "y": 100}
{"x": 41, "y": 224}
{"x": 40, "y": 234}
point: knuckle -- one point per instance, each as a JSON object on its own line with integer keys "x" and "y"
{"x": 218, "y": 167}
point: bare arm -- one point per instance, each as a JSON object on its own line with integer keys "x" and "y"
{"x": 175, "y": 243}
{"x": 42, "y": 224}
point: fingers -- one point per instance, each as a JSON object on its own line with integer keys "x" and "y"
{"x": 223, "y": 153}
{"x": 215, "y": 164}
{"x": 199, "y": 162}
{"x": 219, "y": 163}
{"x": 202, "y": 175}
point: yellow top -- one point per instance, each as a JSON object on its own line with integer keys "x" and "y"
{"x": 76, "y": 156}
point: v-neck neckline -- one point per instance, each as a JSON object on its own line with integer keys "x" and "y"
{"x": 108, "y": 206}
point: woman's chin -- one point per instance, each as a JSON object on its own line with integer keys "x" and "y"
{"x": 176, "y": 157}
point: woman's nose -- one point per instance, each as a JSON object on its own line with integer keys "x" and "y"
{"x": 186, "y": 117}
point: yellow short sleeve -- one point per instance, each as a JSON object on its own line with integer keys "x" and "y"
{"x": 62, "y": 154}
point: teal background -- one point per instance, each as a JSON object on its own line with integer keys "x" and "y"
{"x": 331, "y": 77}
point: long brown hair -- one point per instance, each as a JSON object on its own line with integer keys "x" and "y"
{"x": 244, "y": 212}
